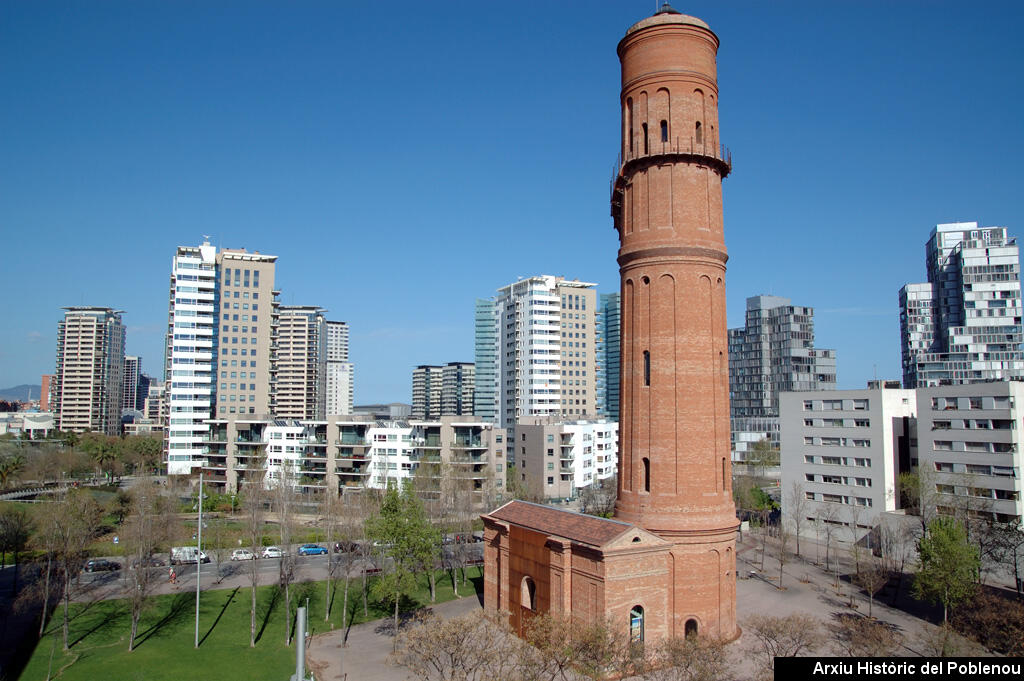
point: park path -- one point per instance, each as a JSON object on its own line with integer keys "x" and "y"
{"x": 365, "y": 656}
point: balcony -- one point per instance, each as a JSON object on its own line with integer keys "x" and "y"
{"x": 469, "y": 443}
{"x": 351, "y": 439}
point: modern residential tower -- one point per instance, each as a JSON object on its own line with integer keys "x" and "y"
{"x": 773, "y": 353}
{"x": 88, "y": 382}
{"x": 964, "y": 324}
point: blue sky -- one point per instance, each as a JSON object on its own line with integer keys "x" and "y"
{"x": 403, "y": 159}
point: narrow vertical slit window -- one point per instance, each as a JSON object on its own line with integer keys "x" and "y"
{"x": 647, "y": 368}
{"x": 629, "y": 121}
{"x": 647, "y": 474}
{"x": 699, "y": 134}
{"x": 647, "y": 147}
{"x": 664, "y": 131}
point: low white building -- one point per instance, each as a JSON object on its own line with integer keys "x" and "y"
{"x": 36, "y": 424}
{"x": 558, "y": 458}
{"x": 841, "y": 453}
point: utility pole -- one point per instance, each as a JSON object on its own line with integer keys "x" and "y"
{"x": 199, "y": 551}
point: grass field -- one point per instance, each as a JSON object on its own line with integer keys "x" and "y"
{"x": 165, "y": 644}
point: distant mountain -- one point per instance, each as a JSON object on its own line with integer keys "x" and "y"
{"x": 20, "y": 392}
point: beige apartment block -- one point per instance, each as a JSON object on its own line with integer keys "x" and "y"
{"x": 578, "y": 339}
{"x": 298, "y": 364}
{"x": 246, "y": 294}
{"x": 90, "y": 369}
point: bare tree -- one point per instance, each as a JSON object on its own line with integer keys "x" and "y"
{"x": 599, "y": 497}
{"x": 475, "y": 647}
{"x": 284, "y": 502}
{"x": 1008, "y": 550}
{"x": 146, "y": 529}
{"x": 595, "y": 650}
{"x": 827, "y": 518}
{"x": 858, "y": 636}
{"x": 871, "y": 576}
{"x": 329, "y": 517}
{"x": 15, "y": 530}
{"x": 783, "y": 637}
{"x": 254, "y": 501}
{"x": 70, "y": 522}
{"x": 783, "y": 545}
{"x": 696, "y": 658}
{"x": 796, "y": 503}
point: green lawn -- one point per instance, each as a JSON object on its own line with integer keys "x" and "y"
{"x": 165, "y": 646}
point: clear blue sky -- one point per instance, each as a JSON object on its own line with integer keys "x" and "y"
{"x": 403, "y": 159}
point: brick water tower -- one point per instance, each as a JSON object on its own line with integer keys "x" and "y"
{"x": 674, "y": 468}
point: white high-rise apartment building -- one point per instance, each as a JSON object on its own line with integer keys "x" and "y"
{"x": 190, "y": 355}
{"x": 339, "y": 370}
{"x": 216, "y": 330}
{"x": 964, "y": 324}
{"x": 88, "y": 381}
{"x": 545, "y": 352}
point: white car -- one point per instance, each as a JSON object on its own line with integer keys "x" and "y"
{"x": 272, "y": 552}
{"x": 242, "y": 554}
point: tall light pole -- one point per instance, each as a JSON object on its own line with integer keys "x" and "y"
{"x": 199, "y": 550}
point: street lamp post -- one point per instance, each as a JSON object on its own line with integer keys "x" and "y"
{"x": 199, "y": 549}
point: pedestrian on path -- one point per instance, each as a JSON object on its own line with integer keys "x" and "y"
{"x": 173, "y": 576}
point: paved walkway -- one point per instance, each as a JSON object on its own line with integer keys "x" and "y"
{"x": 365, "y": 657}
{"x": 808, "y": 590}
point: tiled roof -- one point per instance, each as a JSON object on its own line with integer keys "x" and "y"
{"x": 585, "y": 529}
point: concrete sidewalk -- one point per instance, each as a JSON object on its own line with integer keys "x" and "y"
{"x": 365, "y": 656}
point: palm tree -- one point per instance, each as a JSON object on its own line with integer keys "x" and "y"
{"x": 10, "y": 466}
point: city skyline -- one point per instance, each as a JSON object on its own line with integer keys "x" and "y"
{"x": 250, "y": 125}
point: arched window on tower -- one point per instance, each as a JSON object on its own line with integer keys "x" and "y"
{"x": 664, "y": 131}
{"x": 699, "y": 134}
{"x": 647, "y": 146}
{"x": 647, "y": 474}
{"x": 528, "y": 593}
{"x": 636, "y": 624}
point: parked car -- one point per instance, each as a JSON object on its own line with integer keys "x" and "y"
{"x": 345, "y": 546}
{"x": 312, "y": 550}
{"x": 152, "y": 561}
{"x": 272, "y": 552}
{"x": 101, "y": 565}
{"x": 242, "y": 554}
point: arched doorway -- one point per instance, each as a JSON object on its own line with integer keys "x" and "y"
{"x": 690, "y": 629}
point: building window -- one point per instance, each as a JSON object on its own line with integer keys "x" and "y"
{"x": 664, "y": 131}
{"x": 636, "y": 624}
{"x": 528, "y": 594}
{"x": 699, "y": 135}
{"x": 691, "y": 624}
{"x": 647, "y": 368}
{"x": 647, "y": 146}
{"x": 647, "y": 474}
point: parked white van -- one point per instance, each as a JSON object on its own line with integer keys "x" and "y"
{"x": 187, "y": 554}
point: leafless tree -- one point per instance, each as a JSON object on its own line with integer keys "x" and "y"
{"x": 475, "y": 647}
{"x": 595, "y": 650}
{"x": 783, "y": 546}
{"x": 70, "y": 523}
{"x": 696, "y": 658}
{"x": 827, "y": 518}
{"x": 858, "y": 636}
{"x": 942, "y": 641}
{"x": 783, "y": 637}
{"x": 871, "y": 576}
{"x": 796, "y": 503}
{"x": 254, "y": 502}
{"x": 284, "y": 501}
{"x": 146, "y": 529}
{"x": 329, "y": 518}
{"x": 599, "y": 497}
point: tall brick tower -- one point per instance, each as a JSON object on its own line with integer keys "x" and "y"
{"x": 674, "y": 469}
